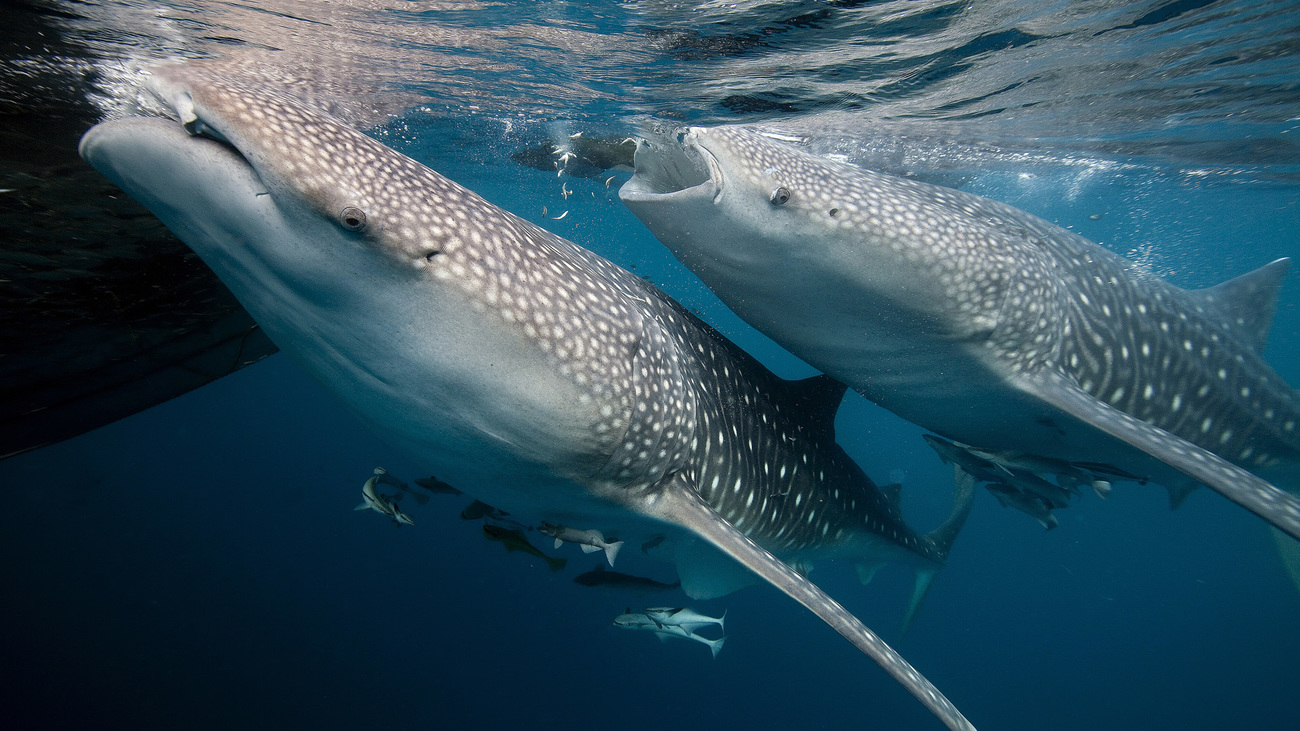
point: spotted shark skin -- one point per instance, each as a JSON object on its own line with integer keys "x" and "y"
{"x": 528, "y": 371}
{"x": 979, "y": 321}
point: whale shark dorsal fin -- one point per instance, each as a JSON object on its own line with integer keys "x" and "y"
{"x": 1252, "y": 493}
{"x": 1247, "y": 302}
{"x": 676, "y": 502}
{"x": 813, "y": 402}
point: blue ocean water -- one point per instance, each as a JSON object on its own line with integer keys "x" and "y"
{"x": 199, "y": 565}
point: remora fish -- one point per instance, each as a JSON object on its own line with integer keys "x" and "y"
{"x": 434, "y": 485}
{"x": 600, "y": 576}
{"x": 685, "y": 617}
{"x": 976, "y": 464}
{"x": 1029, "y": 504}
{"x": 979, "y": 321}
{"x": 515, "y": 540}
{"x": 631, "y": 620}
{"x": 372, "y": 500}
{"x": 479, "y": 509}
{"x": 524, "y": 369}
{"x": 1068, "y": 475}
{"x": 590, "y": 540}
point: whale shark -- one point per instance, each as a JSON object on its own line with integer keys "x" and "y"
{"x": 979, "y": 321}
{"x": 531, "y": 373}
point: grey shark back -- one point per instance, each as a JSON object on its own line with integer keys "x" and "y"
{"x": 980, "y": 321}
{"x": 526, "y": 370}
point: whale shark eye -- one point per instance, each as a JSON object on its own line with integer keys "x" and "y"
{"x": 779, "y": 196}
{"x": 352, "y": 218}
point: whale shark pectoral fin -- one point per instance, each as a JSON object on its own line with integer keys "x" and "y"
{"x": 678, "y": 503}
{"x": 1279, "y": 508}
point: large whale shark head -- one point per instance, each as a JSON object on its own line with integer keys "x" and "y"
{"x": 341, "y": 248}
{"x": 700, "y": 195}
{"x": 980, "y": 321}
{"x": 525, "y": 369}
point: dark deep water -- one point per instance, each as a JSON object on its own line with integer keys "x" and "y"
{"x": 199, "y": 565}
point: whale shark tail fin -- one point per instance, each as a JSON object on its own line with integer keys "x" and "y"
{"x": 963, "y": 498}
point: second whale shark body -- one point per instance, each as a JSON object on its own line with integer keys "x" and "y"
{"x": 526, "y": 370}
{"x": 979, "y": 321}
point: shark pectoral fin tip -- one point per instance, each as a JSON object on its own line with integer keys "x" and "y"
{"x": 685, "y": 508}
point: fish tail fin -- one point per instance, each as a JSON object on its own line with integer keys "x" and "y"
{"x": 714, "y": 645}
{"x": 611, "y": 551}
{"x": 556, "y": 563}
{"x": 722, "y": 621}
{"x": 963, "y": 499}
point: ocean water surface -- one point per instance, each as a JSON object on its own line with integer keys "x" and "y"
{"x": 199, "y": 564}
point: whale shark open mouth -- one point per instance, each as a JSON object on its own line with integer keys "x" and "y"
{"x": 675, "y": 164}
